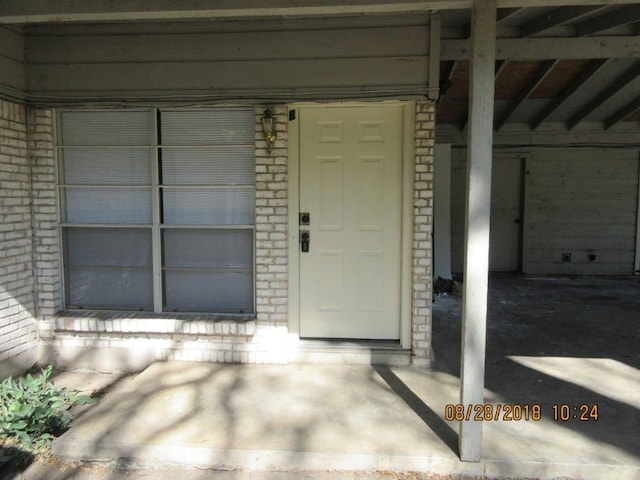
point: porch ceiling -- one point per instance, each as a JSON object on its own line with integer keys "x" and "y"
{"x": 559, "y": 63}
{"x": 564, "y": 65}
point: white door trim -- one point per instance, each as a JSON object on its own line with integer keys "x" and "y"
{"x": 408, "y": 156}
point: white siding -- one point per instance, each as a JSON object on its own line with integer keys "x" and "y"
{"x": 12, "y": 76}
{"x": 582, "y": 202}
{"x": 316, "y": 61}
{"x": 577, "y": 200}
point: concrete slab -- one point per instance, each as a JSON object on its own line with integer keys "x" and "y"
{"x": 550, "y": 342}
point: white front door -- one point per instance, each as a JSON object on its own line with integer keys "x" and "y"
{"x": 351, "y": 187}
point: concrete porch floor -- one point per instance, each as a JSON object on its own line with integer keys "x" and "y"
{"x": 550, "y": 341}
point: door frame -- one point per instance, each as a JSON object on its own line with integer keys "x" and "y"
{"x": 408, "y": 155}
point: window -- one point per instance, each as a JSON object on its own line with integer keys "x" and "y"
{"x": 157, "y": 209}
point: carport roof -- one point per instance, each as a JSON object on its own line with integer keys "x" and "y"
{"x": 560, "y": 63}
{"x": 563, "y": 64}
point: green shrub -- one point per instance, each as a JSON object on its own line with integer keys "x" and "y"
{"x": 33, "y": 409}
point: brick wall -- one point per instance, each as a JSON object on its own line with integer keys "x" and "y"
{"x": 18, "y": 330}
{"x": 422, "y": 229}
{"x": 126, "y": 341}
{"x": 271, "y": 222}
{"x": 46, "y": 250}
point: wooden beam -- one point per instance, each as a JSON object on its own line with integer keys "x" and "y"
{"x": 434, "y": 55}
{"x": 505, "y": 13}
{"x": 622, "y": 16}
{"x": 623, "y": 113}
{"x": 445, "y": 78}
{"x": 46, "y": 11}
{"x": 540, "y": 75}
{"x": 591, "y": 69}
{"x": 630, "y": 75}
{"x": 500, "y": 64}
{"x": 60, "y": 11}
{"x": 478, "y": 206}
{"x": 554, "y": 18}
{"x": 525, "y": 49}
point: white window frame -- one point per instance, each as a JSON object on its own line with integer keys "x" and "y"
{"x": 156, "y": 227}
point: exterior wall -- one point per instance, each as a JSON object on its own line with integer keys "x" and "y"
{"x": 18, "y": 331}
{"x": 581, "y": 201}
{"x": 46, "y": 247}
{"x": 130, "y": 341}
{"x": 304, "y": 59}
{"x": 12, "y": 72}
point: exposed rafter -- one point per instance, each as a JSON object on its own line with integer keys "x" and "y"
{"x": 505, "y": 13}
{"x": 568, "y": 91}
{"x": 554, "y": 18}
{"x": 445, "y": 77}
{"x": 604, "y": 95}
{"x": 623, "y": 113}
{"x": 622, "y": 16}
{"x": 500, "y": 64}
{"x": 540, "y": 75}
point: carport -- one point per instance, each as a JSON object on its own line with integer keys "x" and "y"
{"x": 522, "y": 43}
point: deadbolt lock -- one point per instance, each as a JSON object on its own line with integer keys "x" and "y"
{"x": 305, "y": 240}
{"x": 305, "y": 218}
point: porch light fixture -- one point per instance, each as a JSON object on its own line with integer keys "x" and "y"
{"x": 269, "y": 129}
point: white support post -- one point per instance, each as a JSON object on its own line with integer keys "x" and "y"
{"x": 476, "y": 255}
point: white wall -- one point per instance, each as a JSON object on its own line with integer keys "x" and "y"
{"x": 582, "y": 202}
{"x": 233, "y": 60}
{"x": 442, "y": 211}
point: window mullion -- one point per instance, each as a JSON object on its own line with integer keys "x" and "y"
{"x": 155, "y": 229}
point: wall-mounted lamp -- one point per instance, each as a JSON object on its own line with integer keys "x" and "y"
{"x": 269, "y": 129}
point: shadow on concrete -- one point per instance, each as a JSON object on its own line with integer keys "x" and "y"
{"x": 448, "y": 436}
{"x": 13, "y": 461}
{"x": 546, "y": 336}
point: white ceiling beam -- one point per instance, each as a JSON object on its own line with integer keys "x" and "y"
{"x": 617, "y": 18}
{"x": 540, "y": 75}
{"x": 47, "y": 11}
{"x": 623, "y": 113}
{"x": 522, "y": 49}
{"x": 505, "y": 13}
{"x": 604, "y": 95}
{"x": 554, "y": 18}
{"x": 584, "y": 76}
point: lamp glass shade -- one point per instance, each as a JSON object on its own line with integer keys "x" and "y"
{"x": 267, "y": 124}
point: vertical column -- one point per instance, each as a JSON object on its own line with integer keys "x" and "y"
{"x": 271, "y": 222}
{"x": 476, "y": 255}
{"x": 442, "y": 211}
{"x": 422, "y": 229}
{"x": 46, "y": 242}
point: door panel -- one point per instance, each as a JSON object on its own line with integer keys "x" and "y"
{"x": 506, "y": 213}
{"x": 350, "y": 183}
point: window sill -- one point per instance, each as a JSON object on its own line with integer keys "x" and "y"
{"x": 100, "y": 321}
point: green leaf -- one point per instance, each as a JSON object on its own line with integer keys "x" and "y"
{"x": 19, "y": 425}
